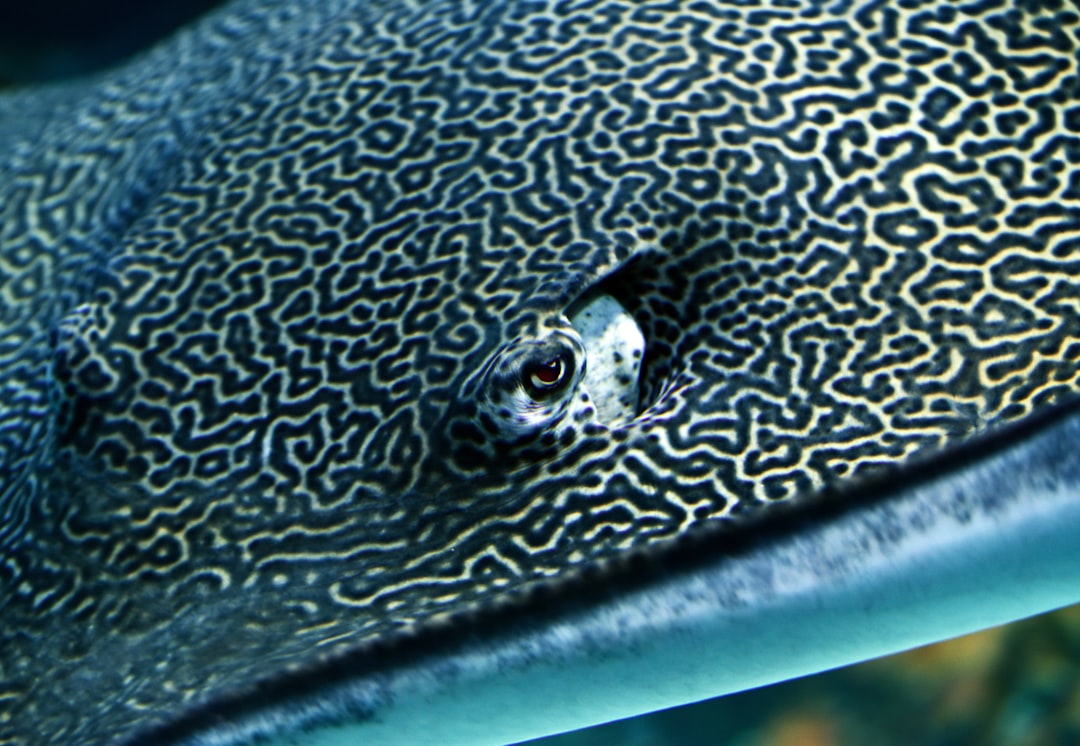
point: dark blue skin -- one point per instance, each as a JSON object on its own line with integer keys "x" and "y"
{"x": 265, "y": 320}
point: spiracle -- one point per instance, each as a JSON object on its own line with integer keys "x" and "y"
{"x": 614, "y": 347}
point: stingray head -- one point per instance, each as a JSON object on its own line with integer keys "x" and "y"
{"x": 348, "y": 367}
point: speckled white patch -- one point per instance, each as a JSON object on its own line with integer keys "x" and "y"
{"x": 614, "y": 346}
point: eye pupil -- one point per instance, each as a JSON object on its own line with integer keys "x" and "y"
{"x": 550, "y": 372}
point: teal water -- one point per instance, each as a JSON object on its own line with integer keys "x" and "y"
{"x": 1017, "y": 685}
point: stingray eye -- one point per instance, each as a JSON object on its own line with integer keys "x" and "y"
{"x": 528, "y": 385}
{"x": 546, "y": 376}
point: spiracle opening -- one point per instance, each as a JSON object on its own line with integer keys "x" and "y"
{"x": 647, "y": 312}
{"x": 614, "y": 346}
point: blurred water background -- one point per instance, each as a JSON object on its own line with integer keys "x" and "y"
{"x": 1017, "y": 685}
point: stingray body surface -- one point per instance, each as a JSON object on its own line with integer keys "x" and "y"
{"x": 286, "y": 366}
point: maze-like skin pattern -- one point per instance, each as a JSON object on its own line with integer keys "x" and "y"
{"x": 262, "y": 293}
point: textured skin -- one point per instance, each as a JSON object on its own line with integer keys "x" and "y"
{"x": 267, "y": 297}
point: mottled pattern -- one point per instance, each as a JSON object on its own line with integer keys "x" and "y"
{"x": 263, "y": 294}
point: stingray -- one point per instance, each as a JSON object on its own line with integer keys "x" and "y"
{"x": 469, "y": 371}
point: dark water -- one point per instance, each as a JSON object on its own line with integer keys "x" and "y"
{"x": 1018, "y": 685}
{"x": 42, "y": 40}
